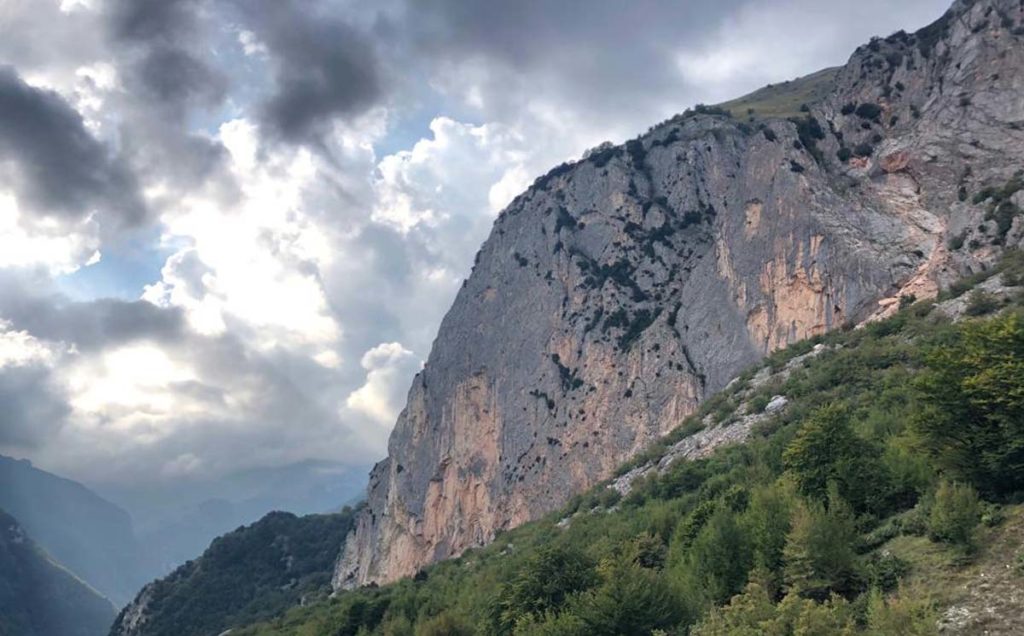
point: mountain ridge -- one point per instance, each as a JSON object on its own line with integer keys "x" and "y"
{"x": 653, "y": 272}
{"x": 38, "y": 596}
{"x": 86, "y": 533}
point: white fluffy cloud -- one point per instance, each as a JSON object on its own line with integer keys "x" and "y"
{"x": 388, "y": 368}
{"x": 252, "y": 264}
{"x": 60, "y": 248}
{"x": 462, "y": 171}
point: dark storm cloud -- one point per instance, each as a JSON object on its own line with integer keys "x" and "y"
{"x": 32, "y": 406}
{"x": 98, "y": 324}
{"x": 171, "y": 75}
{"x": 164, "y": 57}
{"x": 323, "y": 67}
{"x": 620, "y": 52}
{"x": 88, "y": 325}
{"x": 166, "y": 41}
{"x": 153, "y": 20}
{"x": 53, "y": 160}
{"x": 618, "y": 61}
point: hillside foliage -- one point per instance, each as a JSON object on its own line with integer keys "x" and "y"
{"x": 251, "y": 574}
{"x": 906, "y": 430}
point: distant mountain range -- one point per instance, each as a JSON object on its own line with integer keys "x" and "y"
{"x": 117, "y": 553}
{"x": 39, "y": 597}
{"x": 84, "y": 532}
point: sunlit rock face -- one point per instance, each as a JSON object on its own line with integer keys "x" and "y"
{"x": 620, "y": 291}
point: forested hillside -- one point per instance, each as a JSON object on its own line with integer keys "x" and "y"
{"x": 253, "y": 573}
{"x": 869, "y": 498}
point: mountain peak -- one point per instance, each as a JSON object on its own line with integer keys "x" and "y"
{"x": 621, "y": 290}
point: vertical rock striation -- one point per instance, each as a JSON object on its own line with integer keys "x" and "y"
{"x": 621, "y": 290}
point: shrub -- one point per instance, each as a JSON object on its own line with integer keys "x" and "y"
{"x": 905, "y": 614}
{"x": 819, "y": 553}
{"x": 885, "y": 570}
{"x": 826, "y": 453}
{"x": 869, "y": 111}
{"x": 972, "y": 404}
{"x": 633, "y": 601}
{"x": 844, "y": 154}
{"x": 444, "y": 624}
{"x": 954, "y": 514}
{"x": 758, "y": 403}
{"x": 980, "y": 303}
{"x": 864, "y": 150}
{"x": 543, "y": 584}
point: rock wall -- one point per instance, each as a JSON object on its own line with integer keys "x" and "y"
{"x": 620, "y": 291}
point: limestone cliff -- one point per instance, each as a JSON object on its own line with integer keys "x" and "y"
{"x": 621, "y": 290}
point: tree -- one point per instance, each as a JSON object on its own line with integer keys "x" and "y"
{"x": 954, "y": 514}
{"x": 444, "y": 624}
{"x": 633, "y": 601}
{"x": 542, "y": 585}
{"x": 906, "y": 614}
{"x": 819, "y": 554}
{"x": 826, "y": 450}
{"x": 746, "y": 613}
{"x": 972, "y": 415}
{"x": 720, "y": 557}
{"x": 767, "y": 522}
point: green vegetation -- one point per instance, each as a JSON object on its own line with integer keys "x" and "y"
{"x": 786, "y": 99}
{"x": 895, "y": 463}
{"x": 1001, "y": 206}
{"x": 869, "y": 111}
{"x": 251, "y": 574}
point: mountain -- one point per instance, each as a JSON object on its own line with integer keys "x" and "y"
{"x": 623, "y": 290}
{"x": 250, "y": 574}
{"x": 176, "y": 520}
{"x": 866, "y": 481}
{"x": 84, "y": 532}
{"x": 38, "y": 597}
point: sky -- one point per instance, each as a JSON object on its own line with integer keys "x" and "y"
{"x": 229, "y": 229}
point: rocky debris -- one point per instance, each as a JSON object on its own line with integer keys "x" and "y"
{"x": 620, "y": 291}
{"x": 696, "y": 446}
{"x": 957, "y": 308}
{"x": 777, "y": 403}
{"x": 733, "y": 431}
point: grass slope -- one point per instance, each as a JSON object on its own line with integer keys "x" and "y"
{"x": 784, "y": 99}
{"x": 846, "y": 512}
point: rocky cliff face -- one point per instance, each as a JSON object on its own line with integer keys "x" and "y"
{"x": 621, "y": 290}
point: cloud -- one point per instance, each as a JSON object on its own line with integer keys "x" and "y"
{"x": 153, "y": 20}
{"x": 56, "y": 168}
{"x": 319, "y": 174}
{"x": 324, "y": 67}
{"x": 388, "y": 367}
{"x": 613, "y": 66}
{"x": 34, "y": 405}
{"x": 253, "y": 266}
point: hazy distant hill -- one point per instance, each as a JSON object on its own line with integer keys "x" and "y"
{"x": 38, "y": 597}
{"x": 177, "y": 520}
{"x": 84, "y": 532}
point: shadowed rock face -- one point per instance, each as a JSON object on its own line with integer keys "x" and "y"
{"x": 618, "y": 292}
